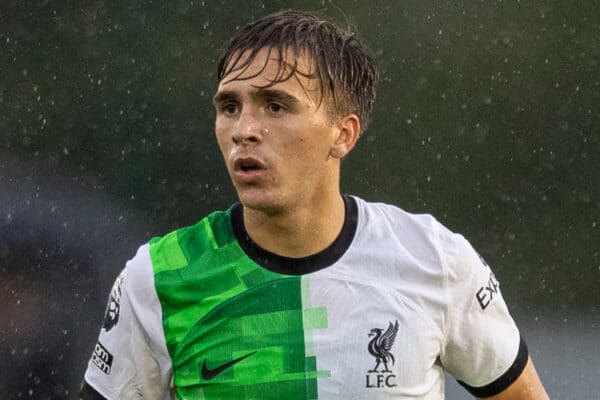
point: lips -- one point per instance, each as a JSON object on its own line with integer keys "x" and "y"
{"x": 246, "y": 164}
{"x": 248, "y": 169}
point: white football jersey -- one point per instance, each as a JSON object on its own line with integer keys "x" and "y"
{"x": 382, "y": 313}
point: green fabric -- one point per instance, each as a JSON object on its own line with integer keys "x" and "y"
{"x": 218, "y": 305}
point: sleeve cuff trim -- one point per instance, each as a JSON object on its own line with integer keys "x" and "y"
{"x": 506, "y": 379}
{"x": 87, "y": 392}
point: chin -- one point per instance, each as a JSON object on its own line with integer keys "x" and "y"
{"x": 258, "y": 200}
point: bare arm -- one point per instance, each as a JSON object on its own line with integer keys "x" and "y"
{"x": 527, "y": 387}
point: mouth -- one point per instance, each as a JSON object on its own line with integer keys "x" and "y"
{"x": 247, "y": 164}
{"x": 248, "y": 169}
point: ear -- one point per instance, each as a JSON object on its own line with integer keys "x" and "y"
{"x": 348, "y": 134}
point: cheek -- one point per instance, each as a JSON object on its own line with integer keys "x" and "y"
{"x": 308, "y": 156}
{"x": 316, "y": 145}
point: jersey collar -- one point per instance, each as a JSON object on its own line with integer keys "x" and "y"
{"x": 297, "y": 266}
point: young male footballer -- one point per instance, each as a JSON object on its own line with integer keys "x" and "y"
{"x": 298, "y": 292}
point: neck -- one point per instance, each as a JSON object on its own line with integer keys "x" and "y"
{"x": 299, "y": 231}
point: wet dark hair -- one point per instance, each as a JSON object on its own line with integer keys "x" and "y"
{"x": 346, "y": 72}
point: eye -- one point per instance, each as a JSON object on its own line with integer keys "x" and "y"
{"x": 229, "y": 108}
{"x": 275, "y": 108}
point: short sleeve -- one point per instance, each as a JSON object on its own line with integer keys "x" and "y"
{"x": 130, "y": 359}
{"x": 483, "y": 348}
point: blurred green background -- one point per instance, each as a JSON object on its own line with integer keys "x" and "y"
{"x": 487, "y": 117}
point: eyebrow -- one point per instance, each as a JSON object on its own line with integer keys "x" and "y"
{"x": 258, "y": 93}
{"x": 224, "y": 96}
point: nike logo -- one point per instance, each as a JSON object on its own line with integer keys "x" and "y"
{"x": 211, "y": 373}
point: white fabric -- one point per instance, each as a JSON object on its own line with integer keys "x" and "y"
{"x": 141, "y": 366}
{"x": 400, "y": 267}
{"x": 409, "y": 268}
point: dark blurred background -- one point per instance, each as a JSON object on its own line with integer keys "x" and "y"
{"x": 487, "y": 117}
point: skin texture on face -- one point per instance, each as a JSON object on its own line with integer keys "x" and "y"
{"x": 282, "y": 149}
{"x": 279, "y": 142}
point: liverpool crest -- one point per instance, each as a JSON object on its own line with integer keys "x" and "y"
{"x": 380, "y": 347}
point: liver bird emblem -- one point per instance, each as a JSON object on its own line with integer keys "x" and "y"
{"x": 381, "y": 345}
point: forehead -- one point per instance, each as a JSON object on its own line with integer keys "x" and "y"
{"x": 269, "y": 67}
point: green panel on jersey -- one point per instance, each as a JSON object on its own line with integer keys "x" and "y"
{"x": 172, "y": 258}
{"x": 246, "y": 329}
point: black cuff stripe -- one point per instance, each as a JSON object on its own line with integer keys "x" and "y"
{"x": 506, "y": 379}
{"x": 89, "y": 393}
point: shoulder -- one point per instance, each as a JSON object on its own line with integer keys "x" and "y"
{"x": 138, "y": 270}
{"x": 416, "y": 233}
{"x": 135, "y": 285}
{"x": 433, "y": 263}
{"x": 414, "y": 249}
{"x": 437, "y": 250}
{"x": 378, "y": 211}
{"x": 175, "y": 249}
{"x": 170, "y": 252}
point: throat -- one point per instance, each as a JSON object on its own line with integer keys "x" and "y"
{"x": 285, "y": 257}
{"x": 295, "y": 234}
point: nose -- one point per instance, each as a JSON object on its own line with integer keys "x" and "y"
{"x": 248, "y": 129}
